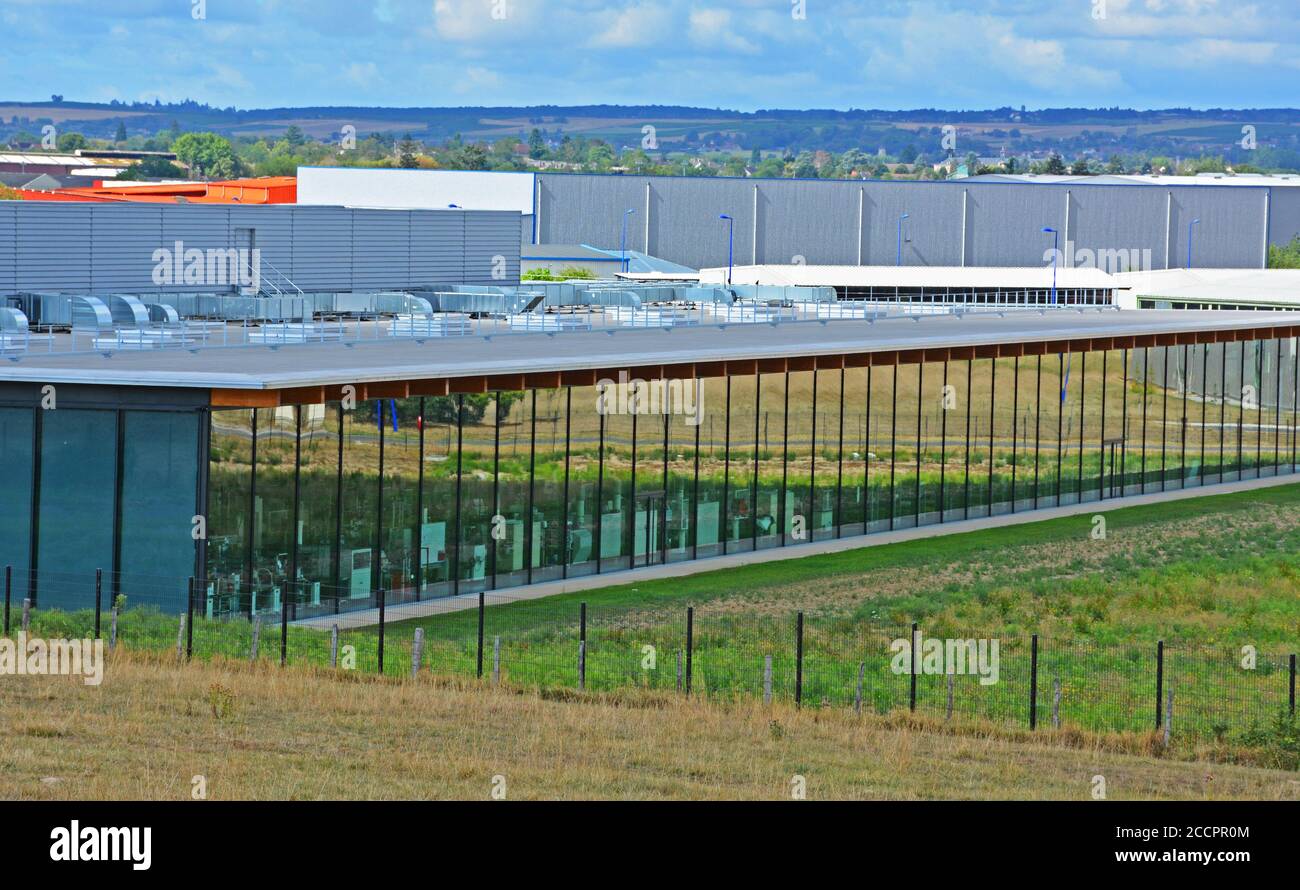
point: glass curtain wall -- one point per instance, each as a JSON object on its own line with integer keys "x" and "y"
{"x": 500, "y": 489}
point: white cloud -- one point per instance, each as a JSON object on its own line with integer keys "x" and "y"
{"x": 714, "y": 28}
{"x": 640, "y": 25}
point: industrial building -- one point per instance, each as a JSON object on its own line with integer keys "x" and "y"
{"x": 447, "y": 461}
{"x": 961, "y": 223}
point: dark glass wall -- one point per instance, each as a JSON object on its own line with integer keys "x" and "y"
{"x": 16, "y": 430}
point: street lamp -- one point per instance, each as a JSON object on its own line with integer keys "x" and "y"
{"x": 731, "y": 244}
{"x": 622, "y": 245}
{"x": 1056, "y": 236}
{"x": 1189, "y": 240}
{"x": 899, "y": 261}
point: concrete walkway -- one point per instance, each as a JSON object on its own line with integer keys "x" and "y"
{"x": 441, "y": 605}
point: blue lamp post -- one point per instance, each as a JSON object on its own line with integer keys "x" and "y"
{"x": 622, "y": 244}
{"x": 899, "y": 260}
{"x": 1189, "y": 240}
{"x": 731, "y": 244}
{"x": 1056, "y": 241}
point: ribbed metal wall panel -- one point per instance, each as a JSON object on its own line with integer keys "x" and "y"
{"x": 53, "y": 247}
{"x": 819, "y": 220}
{"x": 1284, "y": 215}
{"x": 381, "y": 249}
{"x": 437, "y": 247}
{"x": 322, "y": 248}
{"x": 8, "y": 246}
{"x": 102, "y": 248}
{"x": 485, "y": 261}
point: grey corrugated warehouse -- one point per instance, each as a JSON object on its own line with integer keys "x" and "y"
{"x": 851, "y": 222}
{"x": 102, "y": 248}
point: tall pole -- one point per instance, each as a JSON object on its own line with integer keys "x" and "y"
{"x": 731, "y": 244}
{"x": 1056, "y": 252}
{"x": 622, "y": 248}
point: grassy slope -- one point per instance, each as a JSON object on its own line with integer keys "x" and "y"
{"x": 301, "y": 734}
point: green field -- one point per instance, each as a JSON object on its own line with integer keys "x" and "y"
{"x": 1207, "y": 576}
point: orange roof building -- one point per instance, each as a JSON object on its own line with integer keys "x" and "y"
{"x": 261, "y": 190}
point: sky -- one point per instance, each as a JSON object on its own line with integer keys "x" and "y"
{"x": 735, "y": 54}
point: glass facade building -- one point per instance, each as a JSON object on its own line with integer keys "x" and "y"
{"x": 316, "y": 507}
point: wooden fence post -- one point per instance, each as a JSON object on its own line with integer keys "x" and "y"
{"x": 257, "y": 634}
{"x": 180, "y": 639}
{"x": 417, "y": 651}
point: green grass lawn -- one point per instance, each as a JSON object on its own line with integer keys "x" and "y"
{"x": 1207, "y": 576}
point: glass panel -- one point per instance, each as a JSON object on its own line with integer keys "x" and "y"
{"x": 230, "y": 478}
{"x": 880, "y": 432}
{"x": 272, "y": 507}
{"x": 514, "y": 460}
{"x": 682, "y": 429}
{"x": 952, "y": 425}
{"x": 1003, "y": 419}
{"x": 906, "y": 449}
{"x": 550, "y": 542}
{"x": 16, "y": 495}
{"x": 477, "y": 487}
{"x": 827, "y": 467}
{"x": 318, "y": 496}
{"x": 400, "y": 419}
{"x": 584, "y": 477}
{"x": 740, "y": 468}
{"x": 710, "y": 508}
{"x": 982, "y": 387}
{"x": 852, "y": 502}
{"x": 1070, "y": 396}
{"x": 78, "y": 470}
{"x": 799, "y": 457}
{"x": 358, "y": 566}
{"x": 159, "y": 480}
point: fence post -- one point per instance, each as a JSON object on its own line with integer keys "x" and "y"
{"x": 1033, "y": 682}
{"x": 382, "y": 597}
{"x": 112, "y": 630}
{"x": 417, "y": 650}
{"x": 180, "y": 638}
{"x": 690, "y": 644}
{"x": 857, "y": 692}
{"x": 1056, "y": 703}
{"x": 1160, "y": 677}
{"x": 798, "y": 660}
{"x": 582, "y": 645}
{"x": 99, "y": 592}
{"x": 496, "y": 660}
{"x": 284, "y": 623}
{"x": 1292, "y": 684}
{"x": 767, "y": 679}
{"x": 189, "y": 620}
{"x": 257, "y": 635}
{"x": 27, "y": 614}
{"x": 911, "y": 695}
{"x": 481, "y": 607}
{"x": 334, "y": 646}
{"x": 9, "y": 588}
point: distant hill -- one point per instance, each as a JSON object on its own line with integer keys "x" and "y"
{"x": 1072, "y": 131}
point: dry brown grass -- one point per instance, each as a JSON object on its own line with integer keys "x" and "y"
{"x": 264, "y": 733}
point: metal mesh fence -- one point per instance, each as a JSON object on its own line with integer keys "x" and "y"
{"x": 721, "y": 652}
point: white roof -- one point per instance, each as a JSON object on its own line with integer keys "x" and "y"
{"x": 1010, "y": 277}
{"x": 13, "y": 157}
{"x": 1255, "y": 179}
{"x": 1237, "y": 286}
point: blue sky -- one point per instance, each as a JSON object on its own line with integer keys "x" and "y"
{"x": 743, "y": 54}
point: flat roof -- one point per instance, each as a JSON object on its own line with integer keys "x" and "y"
{"x": 397, "y": 360}
{"x": 1271, "y": 287}
{"x": 983, "y": 277}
